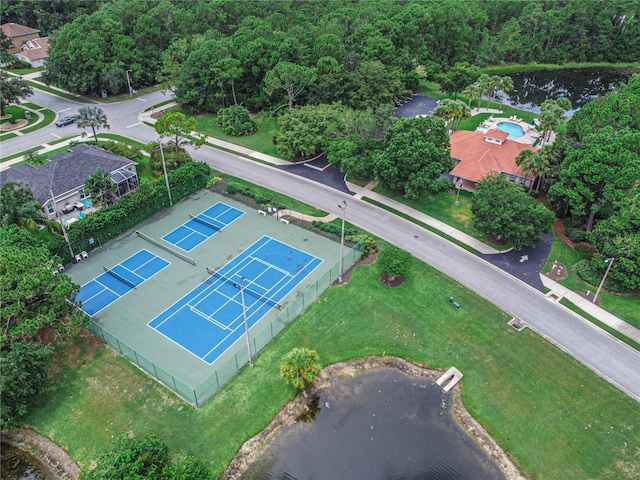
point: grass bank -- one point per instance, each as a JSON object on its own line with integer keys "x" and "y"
{"x": 505, "y": 69}
{"x": 572, "y": 426}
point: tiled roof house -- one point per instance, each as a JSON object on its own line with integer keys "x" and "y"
{"x": 18, "y": 34}
{"x": 35, "y": 52}
{"x": 477, "y": 154}
{"x": 65, "y": 173}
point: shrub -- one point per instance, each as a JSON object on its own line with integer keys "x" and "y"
{"x": 575, "y": 234}
{"x": 394, "y": 262}
{"x": 236, "y": 121}
{"x": 300, "y": 367}
{"x": 587, "y": 273}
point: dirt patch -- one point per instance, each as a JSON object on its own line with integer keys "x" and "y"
{"x": 558, "y": 272}
{"x": 254, "y": 447}
{"x": 55, "y": 459}
{"x": 561, "y": 231}
{"x": 373, "y": 254}
{"x": 7, "y": 126}
{"x": 391, "y": 280}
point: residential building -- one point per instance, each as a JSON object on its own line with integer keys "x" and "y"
{"x": 18, "y": 34}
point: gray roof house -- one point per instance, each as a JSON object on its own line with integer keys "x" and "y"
{"x": 64, "y": 176}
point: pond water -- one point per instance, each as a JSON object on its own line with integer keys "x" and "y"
{"x": 578, "y": 85}
{"x": 19, "y": 465}
{"x": 382, "y": 424}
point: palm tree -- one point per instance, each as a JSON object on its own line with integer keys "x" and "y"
{"x": 452, "y": 111}
{"x": 552, "y": 114}
{"x": 300, "y": 367}
{"x": 472, "y": 91}
{"x": 17, "y": 206}
{"x": 484, "y": 87}
{"x": 102, "y": 189}
{"x": 532, "y": 163}
{"x": 92, "y": 116}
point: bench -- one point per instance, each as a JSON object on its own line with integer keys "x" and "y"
{"x": 285, "y": 221}
{"x": 262, "y": 212}
{"x": 456, "y": 304}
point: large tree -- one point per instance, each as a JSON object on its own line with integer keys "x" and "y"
{"x": 181, "y": 129}
{"x": 415, "y": 155}
{"x": 23, "y": 375}
{"x": 532, "y": 163}
{"x": 289, "y": 77}
{"x": 452, "y": 111}
{"x": 457, "y": 78}
{"x": 12, "y": 89}
{"x": 33, "y": 297}
{"x": 92, "y": 116}
{"x": 503, "y": 210}
{"x": 17, "y": 206}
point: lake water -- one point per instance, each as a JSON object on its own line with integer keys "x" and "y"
{"x": 382, "y": 424}
{"x": 19, "y": 465}
{"x": 580, "y": 86}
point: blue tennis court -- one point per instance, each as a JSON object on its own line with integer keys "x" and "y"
{"x": 209, "y": 319}
{"x": 118, "y": 281}
{"x": 202, "y": 226}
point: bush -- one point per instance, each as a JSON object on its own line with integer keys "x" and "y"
{"x": 122, "y": 149}
{"x": 587, "y": 273}
{"x": 172, "y": 159}
{"x": 575, "y": 234}
{"x": 394, "y": 262}
{"x": 258, "y": 199}
{"x": 236, "y": 121}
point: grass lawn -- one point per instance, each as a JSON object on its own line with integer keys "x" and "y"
{"x": 569, "y": 426}
{"x": 260, "y": 141}
{"x": 443, "y": 207}
{"x": 626, "y": 308}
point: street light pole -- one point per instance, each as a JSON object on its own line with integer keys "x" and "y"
{"x": 129, "y": 83}
{"x": 166, "y": 177}
{"x": 246, "y": 322}
{"x": 610, "y": 262}
{"x": 342, "y": 207}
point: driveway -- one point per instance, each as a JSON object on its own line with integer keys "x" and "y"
{"x": 418, "y": 105}
{"x": 319, "y": 170}
{"x": 525, "y": 264}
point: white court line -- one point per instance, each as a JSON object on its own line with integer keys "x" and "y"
{"x": 141, "y": 99}
{"x": 57, "y": 136}
{"x": 64, "y": 110}
{"x": 133, "y": 125}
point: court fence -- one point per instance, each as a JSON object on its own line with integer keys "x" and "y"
{"x": 233, "y": 360}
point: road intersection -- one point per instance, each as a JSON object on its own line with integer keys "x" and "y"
{"x": 604, "y": 354}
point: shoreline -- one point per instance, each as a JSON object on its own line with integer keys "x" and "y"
{"x": 288, "y": 415}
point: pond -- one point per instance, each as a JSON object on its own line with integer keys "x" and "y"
{"x": 20, "y": 465}
{"x": 578, "y": 85}
{"x": 381, "y": 424}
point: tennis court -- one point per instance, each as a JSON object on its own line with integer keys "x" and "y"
{"x": 203, "y": 226}
{"x": 210, "y": 318}
{"x": 119, "y": 280}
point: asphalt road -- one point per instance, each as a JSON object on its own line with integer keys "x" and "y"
{"x": 596, "y": 349}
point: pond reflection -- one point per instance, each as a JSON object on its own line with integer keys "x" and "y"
{"x": 19, "y": 465}
{"x": 382, "y": 424}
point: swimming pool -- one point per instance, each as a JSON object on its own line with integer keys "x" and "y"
{"x": 514, "y": 131}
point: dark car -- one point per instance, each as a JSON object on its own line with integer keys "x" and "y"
{"x": 64, "y": 121}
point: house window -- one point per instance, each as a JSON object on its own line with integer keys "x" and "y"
{"x": 49, "y": 209}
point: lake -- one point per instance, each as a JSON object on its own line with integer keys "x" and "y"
{"x": 20, "y": 465}
{"x": 381, "y": 424}
{"x": 578, "y": 85}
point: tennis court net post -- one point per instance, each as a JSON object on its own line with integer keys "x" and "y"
{"x": 239, "y": 286}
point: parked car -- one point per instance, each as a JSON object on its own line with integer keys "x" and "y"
{"x": 64, "y": 121}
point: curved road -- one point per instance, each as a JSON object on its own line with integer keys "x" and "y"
{"x": 596, "y": 349}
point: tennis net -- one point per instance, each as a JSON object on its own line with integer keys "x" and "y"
{"x": 119, "y": 277}
{"x": 239, "y": 286}
{"x": 199, "y": 219}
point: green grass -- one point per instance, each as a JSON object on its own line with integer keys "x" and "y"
{"x": 32, "y": 106}
{"x": 569, "y": 426}
{"x": 289, "y": 202}
{"x": 49, "y": 117}
{"x": 7, "y": 136}
{"x": 423, "y": 225}
{"x": 603, "y": 326}
{"x": 443, "y": 207}
{"x": 70, "y": 96}
{"x": 158, "y": 105}
{"x": 260, "y": 141}
{"x": 506, "y": 69}
{"x": 121, "y": 97}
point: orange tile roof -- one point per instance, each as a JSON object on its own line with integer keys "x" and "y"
{"x": 479, "y": 157}
{"x": 15, "y": 30}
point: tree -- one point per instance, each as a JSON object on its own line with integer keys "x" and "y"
{"x": 452, "y": 111}
{"x": 172, "y": 159}
{"x": 289, "y": 77}
{"x": 186, "y": 467}
{"x": 18, "y": 207}
{"x": 552, "y": 114}
{"x": 12, "y": 89}
{"x": 394, "y": 262}
{"x": 131, "y": 458}
{"x": 178, "y": 126}
{"x": 352, "y": 155}
{"x": 532, "y": 163}
{"x": 300, "y": 367}
{"x": 92, "y": 116}
{"x": 101, "y": 187}
{"x": 457, "y": 78}
{"x": 415, "y": 155}
{"x": 32, "y": 296}
{"x": 24, "y": 376}
{"x": 503, "y": 210}
{"x": 236, "y": 121}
